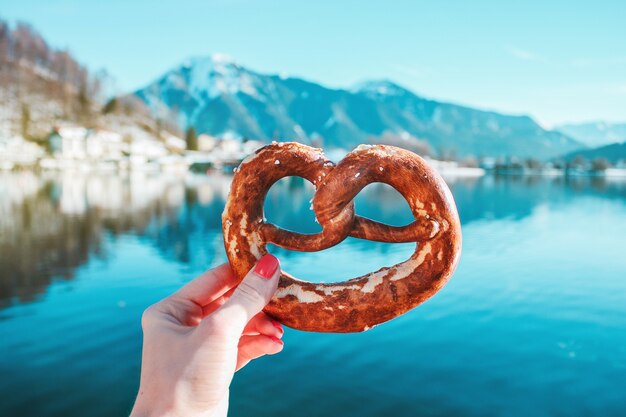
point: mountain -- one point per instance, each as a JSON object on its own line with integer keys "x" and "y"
{"x": 217, "y": 96}
{"x": 595, "y": 134}
{"x": 613, "y": 153}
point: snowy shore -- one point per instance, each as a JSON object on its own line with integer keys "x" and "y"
{"x": 82, "y": 151}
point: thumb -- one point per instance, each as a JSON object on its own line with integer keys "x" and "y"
{"x": 250, "y": 296}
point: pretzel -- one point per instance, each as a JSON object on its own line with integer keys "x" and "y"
{"x": 361, "y": 303}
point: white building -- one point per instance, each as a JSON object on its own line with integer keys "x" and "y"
{"x": 206, "y": 143}
{"x": 79, "y": 143}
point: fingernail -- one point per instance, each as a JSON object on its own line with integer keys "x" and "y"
{"x": 278, "y": 326}
{"x": 266, "y": 266}
{"x": 277, "y": 340}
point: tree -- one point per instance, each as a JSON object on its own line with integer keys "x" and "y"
{"x": 84, "y": 104}
{"x": 158, "y": 128}
{"x": 192, "y": 139}
{"x": 5, "y": 42}
{"x": 110, "y": 107}
{"x": 25, "y": 121}
{"x": 600, "y": 164}
{"x": 578, "y": 162}
{"x": 533, "y": 164}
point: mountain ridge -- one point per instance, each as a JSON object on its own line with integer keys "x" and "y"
{"x": 594, "y": 134}
{"x": 219, "y": 97}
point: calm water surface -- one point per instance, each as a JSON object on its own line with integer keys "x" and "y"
{"x": 533, "y": 323}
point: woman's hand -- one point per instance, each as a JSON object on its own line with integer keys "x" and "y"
{"x": 195, "y": 340}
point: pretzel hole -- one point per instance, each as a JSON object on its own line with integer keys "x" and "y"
{"x": 288, "y": 205}
{"x": 383, "y": 203}
{"x": 349, "y": 259}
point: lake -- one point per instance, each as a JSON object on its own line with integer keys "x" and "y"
{"x": 533, "y": 323}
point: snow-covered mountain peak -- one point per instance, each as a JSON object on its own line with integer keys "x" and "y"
{"x": 211, "y": 76}
{"x": 379, "y": 87}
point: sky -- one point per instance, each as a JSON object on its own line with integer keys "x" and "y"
{"x": 558, "y": 61}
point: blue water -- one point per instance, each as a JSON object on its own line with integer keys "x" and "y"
{"x": 533, "y": 323}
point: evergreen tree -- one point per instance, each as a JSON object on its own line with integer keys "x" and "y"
{"x": 192, "y": 139}
{"x": 25, "y": 121}
{"x": 84, "y": 105}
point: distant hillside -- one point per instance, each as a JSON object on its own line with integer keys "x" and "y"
{"x": 41, "y": 86}
{"x": 595, "y": 134}
{"x": 613, "y": 153}
{"x": 221, "y": 98}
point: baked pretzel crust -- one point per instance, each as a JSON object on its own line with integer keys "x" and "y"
{"x": 360, "y": 303}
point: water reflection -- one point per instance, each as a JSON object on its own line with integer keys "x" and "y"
{"x": 52, "y": 224}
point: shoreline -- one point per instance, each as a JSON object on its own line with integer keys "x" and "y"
{"x": 180, "y": 167}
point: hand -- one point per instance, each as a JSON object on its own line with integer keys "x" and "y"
{"x": 195, "y": 340}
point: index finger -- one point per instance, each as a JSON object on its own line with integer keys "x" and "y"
{"x": 209, "y": 286}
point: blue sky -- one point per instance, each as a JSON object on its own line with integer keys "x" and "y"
{"x": 555, "y": 60}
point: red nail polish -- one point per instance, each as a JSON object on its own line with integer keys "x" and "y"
{"x": 266, "y": 266}
{"x": 278, "y": 326}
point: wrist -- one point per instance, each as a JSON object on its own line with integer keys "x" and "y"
{"x": 145, "y": 407}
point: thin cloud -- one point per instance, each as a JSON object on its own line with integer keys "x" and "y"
{"x": 522, "y": 54}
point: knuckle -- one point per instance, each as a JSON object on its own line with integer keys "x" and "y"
{"x": 148, "y": 316}
{"x": 250, "y": 294}
{"x": 212, "y": 323}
